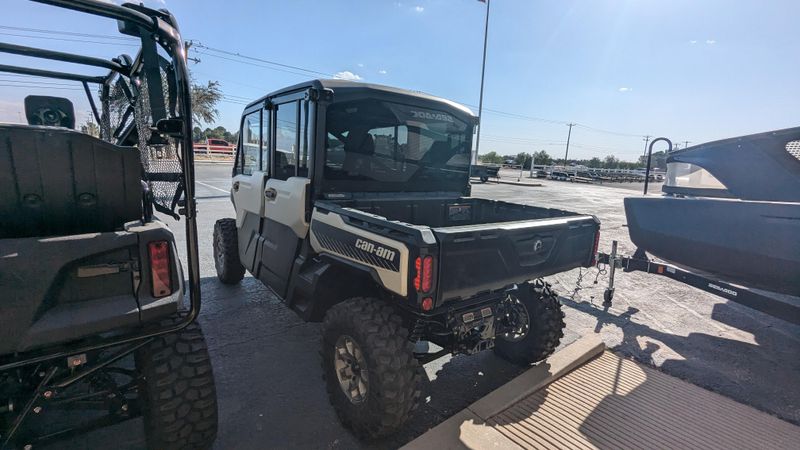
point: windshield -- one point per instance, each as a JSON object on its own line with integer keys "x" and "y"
{"x": 375, "y": 145}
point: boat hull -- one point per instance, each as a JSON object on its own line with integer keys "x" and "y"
{"x": 752, "y": 243}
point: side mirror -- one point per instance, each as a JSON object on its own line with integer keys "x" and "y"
{"x": 170, "y": 127}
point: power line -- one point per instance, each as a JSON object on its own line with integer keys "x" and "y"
{"x": 40, "y": 87}
{"x": 68, "y": 33}
{"x": 68, "y": 39}
{"x": 265, "y": 61}
{"x": 251, "y": 63}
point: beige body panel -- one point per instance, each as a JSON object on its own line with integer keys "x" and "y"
{"x": 289, "y": 204}
{"x": 395, "y": 281}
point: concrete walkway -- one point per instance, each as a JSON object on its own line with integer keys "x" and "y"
{"x": 588, "y": 398}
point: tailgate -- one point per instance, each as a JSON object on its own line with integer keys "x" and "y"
{"x": 479, "y": 258}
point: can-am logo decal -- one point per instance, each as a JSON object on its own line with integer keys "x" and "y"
{"x": 432, "y": 116}
{"x": 377, "y": 250}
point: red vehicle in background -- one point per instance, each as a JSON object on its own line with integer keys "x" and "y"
{"x": 214, "y": 147}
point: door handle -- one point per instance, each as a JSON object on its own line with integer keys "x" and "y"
{"x": 270, "y": 194}
{"x": 235, "y": 186}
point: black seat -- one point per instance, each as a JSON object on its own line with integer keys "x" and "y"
{"x": 56, "y": 181}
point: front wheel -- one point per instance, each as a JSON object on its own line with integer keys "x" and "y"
{"x": 226, "y": 252}
{"x": 484, "y": 179}
{"x": 368, "y": 366}
{"x": 534, "y": 324}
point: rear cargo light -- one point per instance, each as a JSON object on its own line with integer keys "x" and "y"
{"x": 427, "y": 304}
{"x": 423, "y": 280}
{"x": 593, "y": 260}
{"x": 159, "y": 268}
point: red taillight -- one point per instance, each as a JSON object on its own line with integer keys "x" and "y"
{"x": 427, "y": 273}
{"x": 159, "y": 268}
{"x": 423, "y": 280}
{"x": 418, "y": 276}
{"x": 593, "y": 260}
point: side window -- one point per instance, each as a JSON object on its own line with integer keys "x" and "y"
{"x": 286, "y": 140}
{"x": 265, "y": 135}
{"x": 251, "y": 143}
{"x": 303, "y": 155}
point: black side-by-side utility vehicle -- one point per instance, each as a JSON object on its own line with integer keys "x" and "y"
{"x": 352, "y": 204}
{"x": 92, "y": 328}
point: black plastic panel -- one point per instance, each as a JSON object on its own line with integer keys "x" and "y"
{"x": 55, "y": 181}
{"x": 481, "y": 258}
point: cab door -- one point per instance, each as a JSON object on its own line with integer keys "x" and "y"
{"x": 247, "y": 189}
{"x": 285, "y": 190}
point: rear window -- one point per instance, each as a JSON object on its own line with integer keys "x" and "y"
{"x": 375, "y": 145}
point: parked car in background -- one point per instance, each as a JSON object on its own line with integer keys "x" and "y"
{"x": 215, "y": 146}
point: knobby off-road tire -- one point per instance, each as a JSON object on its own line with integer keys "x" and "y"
{"x": 226, "y": 252}
{"x": 392, "y": 389}
{"x": 545, "y": 326}
{"x": 176, "y": 391}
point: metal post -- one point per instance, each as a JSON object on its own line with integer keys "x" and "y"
{"x": 566, "y": 155}
{"x": 649, "y": 156}
{"x": 483, "y": 73}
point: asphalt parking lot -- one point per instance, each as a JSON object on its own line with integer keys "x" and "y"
{"x": 268, "y": 373}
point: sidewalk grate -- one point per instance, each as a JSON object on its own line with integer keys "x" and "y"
{"x": 615, "y": 403}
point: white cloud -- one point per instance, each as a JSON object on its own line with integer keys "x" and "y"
{"x": 360, "y": 64}
{"x": 693, "y": 42}
{"x": 347, "y": 75}
{"x": 419, "y": 9}
{"x": 710, "y": 41}
{"x": 625, "y": 89}
{"x": 382, "y": 72}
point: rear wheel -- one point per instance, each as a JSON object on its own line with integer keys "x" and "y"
{"x": 226, "y": 252}
{"x": 368, "y": 366}
{"x": 484, "y": 179}
{"x": 534, "y": 323}
{"x": 177, "y": 393}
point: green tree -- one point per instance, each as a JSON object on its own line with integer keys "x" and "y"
{"x": 523, "y": 159}
{"x": 542, "y": 158}
{"x": 90, "y": 128}
{"x": 490, "y": 158}
{"x": 204, "y": 102}
{"x": 611, "y": 162}
{"x": 595, "y": 162}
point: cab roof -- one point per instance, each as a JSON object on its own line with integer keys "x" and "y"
{"x": 357, "y": 87}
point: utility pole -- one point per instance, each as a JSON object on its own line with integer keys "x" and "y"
{"x": 566, "y": 155}
{"x": 483, "y": 73}
{"x": 186, "y": 46}
{"x": 646, "y": 140}
{"x": 686, "y": 144}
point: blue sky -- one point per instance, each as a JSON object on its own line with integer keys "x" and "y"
{"x": 686, "y": 69}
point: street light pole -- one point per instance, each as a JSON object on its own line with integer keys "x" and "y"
{"x": 568, "y": 136}
{"x": 483, "y": 73}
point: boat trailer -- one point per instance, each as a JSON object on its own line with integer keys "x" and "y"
{"x": 742, "y": 295}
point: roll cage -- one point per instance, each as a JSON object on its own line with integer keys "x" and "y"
{"x": 149, "y": 95}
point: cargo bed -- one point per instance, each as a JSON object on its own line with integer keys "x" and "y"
{"x": 486, "y": 244}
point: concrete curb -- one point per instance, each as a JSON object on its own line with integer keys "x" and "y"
{"x": 467, "y": 429}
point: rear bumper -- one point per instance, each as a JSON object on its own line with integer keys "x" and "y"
{"x": 60, "y": 289}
